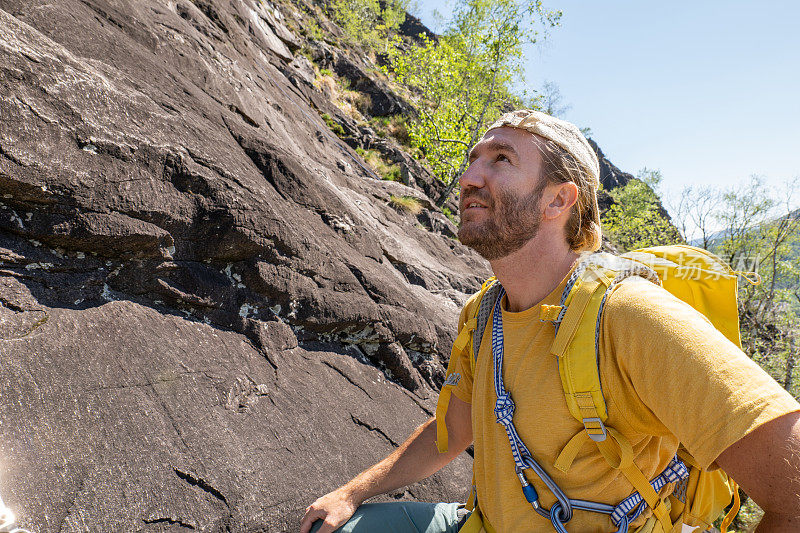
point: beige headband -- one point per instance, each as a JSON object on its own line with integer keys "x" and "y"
{"x": 561, "y": 132}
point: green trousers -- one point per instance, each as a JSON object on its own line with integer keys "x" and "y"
{"x": 403, "y": 517}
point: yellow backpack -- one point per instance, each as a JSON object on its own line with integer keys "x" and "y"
{"x": 693, "y": 275}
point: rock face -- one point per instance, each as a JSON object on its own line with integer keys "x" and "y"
{"x": 610, "y": 178}
{"x": 610, "y": 175}
{"x": 210, "y": 312}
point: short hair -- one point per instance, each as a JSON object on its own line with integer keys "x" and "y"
{"x": 583, "y": 231}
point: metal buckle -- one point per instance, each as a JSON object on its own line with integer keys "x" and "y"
{"x": 595, "y": 436}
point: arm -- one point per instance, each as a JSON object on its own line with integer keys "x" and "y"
{"x": 766, "y": 463}
{"x": 416, "y": 459}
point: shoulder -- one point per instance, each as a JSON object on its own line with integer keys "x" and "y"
{"x": 639, "y": 301}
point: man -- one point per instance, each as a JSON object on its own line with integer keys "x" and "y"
{"x": 529, "y": 206}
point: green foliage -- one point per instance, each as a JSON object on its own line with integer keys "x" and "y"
{"x": 374, "y": 159}
{"x": 465, "y": 79}
{"x": 333, "y": 125}
{"x": 366, "y": 23}
{"x": 459, "y": 82}
{"x": 407, "y": 204}
{"x": 748, "y": 518}
{"x": 636, "y": 218}
{"x": 394, "y": 173}
{"x": 395, "y": 125}
{"x": 449, "y": 214}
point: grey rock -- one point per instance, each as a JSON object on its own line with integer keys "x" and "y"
{"x": 193, "y": 274}
{"x": 610, "y": 175}
{"x": 412, "y": 28}
{"x": 274, "y": 18}
{"x": 383, "y": 101}
{"x": 302, "y": 68}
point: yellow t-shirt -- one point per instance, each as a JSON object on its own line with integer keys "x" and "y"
{"x": 668, "y": 376}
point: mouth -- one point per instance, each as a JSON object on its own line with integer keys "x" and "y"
{"x": 472, "y": 205}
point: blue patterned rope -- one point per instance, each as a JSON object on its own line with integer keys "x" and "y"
{"x": 504, "y": 412}
{"x": 504, "y": 407}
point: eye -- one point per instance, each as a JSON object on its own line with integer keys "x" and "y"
{"x": 502, "y": 157}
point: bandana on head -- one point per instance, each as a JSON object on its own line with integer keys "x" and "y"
{"x": 561, "y": 132}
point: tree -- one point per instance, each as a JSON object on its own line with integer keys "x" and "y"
{"x": 694, "y": 214}
{"x": 465, "y": 79}
{"x": 369, "y": 23}
{"x": 552, "y": 101}
{"x": 636, "y": 219}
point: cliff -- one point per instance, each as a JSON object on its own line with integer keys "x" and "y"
{"x": 211, "y": 310}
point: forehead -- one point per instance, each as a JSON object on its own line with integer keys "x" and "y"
{"x": 523, "y": 143}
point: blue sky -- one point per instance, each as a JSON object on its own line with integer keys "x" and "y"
{"x": 707, "y": 92}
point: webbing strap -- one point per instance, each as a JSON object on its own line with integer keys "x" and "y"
{"x": 473, "y": 330}
{"x": 442, "y": 439}
{"x": 632, "y": 505}
{"x": 472, "y": 500}
{"x": 570, "y": 451}
{"x": 463, "y": 337}
{"x": 620, "y": 457}
{"x": 581, "y": 294}
{"x": 648, "y": 493}
{"x": 474, "y": 523}
{"x": 477, "y": 523}
{"x": 617, "y": 450}
{"x": 726, "y": 522}
{"x": 482, "y": 317}
{"x": 550, "y": 313}
{"x": 452, "y": 380}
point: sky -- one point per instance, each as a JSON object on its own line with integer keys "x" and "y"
{"x": 706, "y": 92}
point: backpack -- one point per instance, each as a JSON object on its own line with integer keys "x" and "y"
{"x": 693, "y": 275}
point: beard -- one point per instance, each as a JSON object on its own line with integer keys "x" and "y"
{"x": 512, "y": 221}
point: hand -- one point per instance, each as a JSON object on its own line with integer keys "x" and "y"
{"x": 334, "y": 509}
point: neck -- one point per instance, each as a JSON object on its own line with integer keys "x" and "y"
{"x": 534, "y": 271}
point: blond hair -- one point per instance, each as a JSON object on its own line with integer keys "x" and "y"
{"x": 583, "y": 230}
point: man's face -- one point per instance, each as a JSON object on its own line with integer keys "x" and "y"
{"x": 500, "y": 193}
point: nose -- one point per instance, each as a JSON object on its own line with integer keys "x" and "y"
{"x": 472, "y": 177}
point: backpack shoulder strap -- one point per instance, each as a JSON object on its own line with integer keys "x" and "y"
{"x": 576, "y": 345}
{"x": 452, "y": 378}
{"x": 482, "y": 318}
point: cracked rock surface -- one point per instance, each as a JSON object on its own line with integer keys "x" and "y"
{"x": 209, "y": 311}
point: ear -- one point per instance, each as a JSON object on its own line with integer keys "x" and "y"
{"x": 560, "y": 198}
